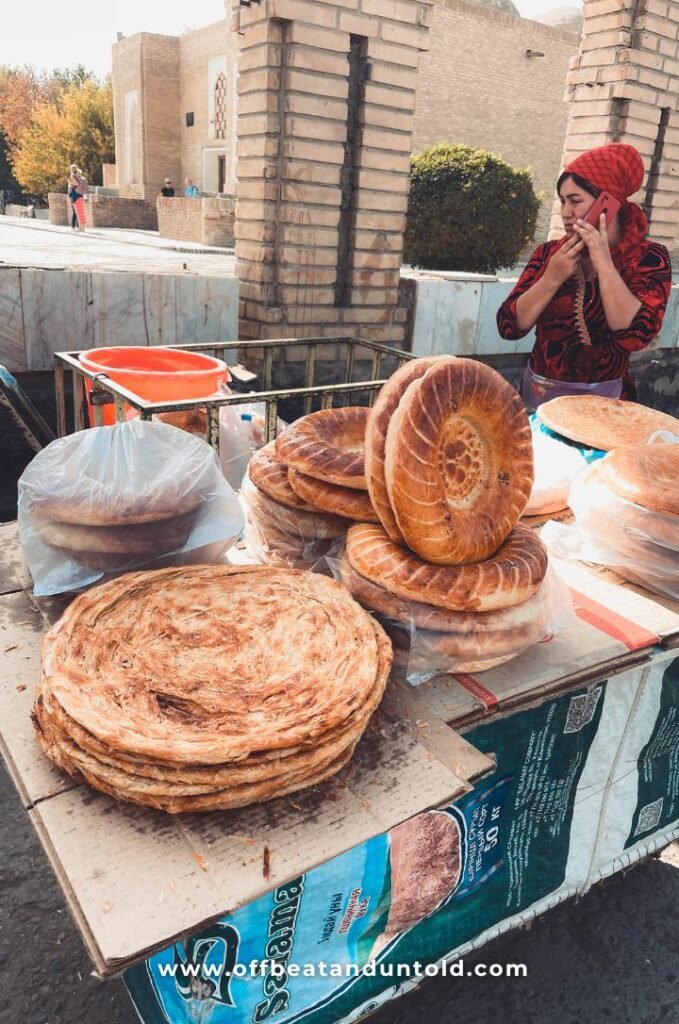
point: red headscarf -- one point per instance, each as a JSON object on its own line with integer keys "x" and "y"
{"x": 616, "y": 168}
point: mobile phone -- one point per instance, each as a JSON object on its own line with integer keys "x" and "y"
{"x": 604, "y": 203}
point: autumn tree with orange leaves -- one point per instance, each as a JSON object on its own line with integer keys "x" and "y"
{"x": 49, "y": 122}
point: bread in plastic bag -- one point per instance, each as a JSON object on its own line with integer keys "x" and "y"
{"x": 556, "y": 465}
{"x": 281, "y": 536}
{"x": 439, "y": 641}
{"x": 119, "y": 498}
{"x": 641, "y": 545}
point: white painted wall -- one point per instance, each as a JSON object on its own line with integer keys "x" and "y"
{"x": 44, "y": 312}
{"x": 455, "y": 315}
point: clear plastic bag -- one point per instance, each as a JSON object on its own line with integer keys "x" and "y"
{"x": 641, "y": 545}
{"x": 242, "y": 431}
{"x": 556, "y": 466}
{"x": 437, "y": 641}
{"x": 120, "y": 498}
{"x": 281, "y": 536}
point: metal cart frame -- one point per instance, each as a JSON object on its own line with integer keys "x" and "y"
{"x": 106, "y": 392}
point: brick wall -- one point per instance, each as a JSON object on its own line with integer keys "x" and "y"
{"x": 477, "y": 86}
{"x": 126, "y": 76}
{"x": 180, "y": 218}
{"x": 59, "y": 208}
{"x": 149, "y": 64}
{"x": 109, "y": 179}
{"x": 120, "y": 212}
{"x": 197, "y": 49}
{"x": 323, "y": 160}
{"x": 623, "y": 86}
{"x": 208, "y": 221}
{"x": 219, "y": 215}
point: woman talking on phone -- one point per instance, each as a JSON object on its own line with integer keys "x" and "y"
{"x": 595, "y": 295}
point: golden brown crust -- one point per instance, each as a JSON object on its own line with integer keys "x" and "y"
{"x": 459, "y": 462}
{"x": 506, "y": 579}
{"x": 522, "y": 621}
{"x": 376, "y": 438}
{"x": 646, "y": 474}
{"x": 604, "y": 423}
{"x": 194, "y": 421}
{"x": 255, "y": 768}
{"x": 176, "y": 787}
{"x": 293, "y": 523}
{"x": 148, "y": 539}
{"x": 207, "y": 664}
{"x": 328, "y": 445}
{"x": 340, "y": 501}
{"x": 270, "y": 476}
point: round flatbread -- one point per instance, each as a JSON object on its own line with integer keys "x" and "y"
{"x": 385, "y": 405}
{"x": 328, "y": 445}
{"x": 603, "y": 423}
{"x": 506, "y": 579}
{"x": 270, "y": 476}
{"x": 207, "y": 664}
{"x": 522, "y": 620}
{"x": 646, "y": 474}
{"x": 459, "y": 462}
{"x": 119, "y": 475}
{"x": 341, "y": 501}
{"x": 147, "y": 539}
{"x": 295, "y": 523}
{"x": 433, "y": 654}
{"x": 262, "y": 776}
{"x": 607, "y": 515}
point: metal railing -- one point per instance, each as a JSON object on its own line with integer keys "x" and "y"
{"x": 105, "y": 391}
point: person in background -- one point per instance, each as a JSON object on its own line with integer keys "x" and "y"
{"x": 77, "y": 191}
{"x": 167, "y": 190}
{"x": 595, "y": 295}
{"x": 190, "y": 189}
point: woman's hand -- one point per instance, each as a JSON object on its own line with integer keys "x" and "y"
{"x": 596, "y": 240}
{"x": 565, "y": 262}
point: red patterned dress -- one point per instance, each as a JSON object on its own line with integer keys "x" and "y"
{"x": 573, "y": 339}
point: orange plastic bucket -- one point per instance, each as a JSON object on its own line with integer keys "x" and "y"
{"x": 155, "y": 374}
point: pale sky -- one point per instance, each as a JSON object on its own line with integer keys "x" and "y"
{"x": 56, "y": 35}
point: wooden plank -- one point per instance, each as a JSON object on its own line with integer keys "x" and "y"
{"x": 407, "y": 705}
{"x": 21, "y": 631}
{"x": 13, "y": 573}
{"x": 137, "y": 879}
{"x": 575, "y": 654}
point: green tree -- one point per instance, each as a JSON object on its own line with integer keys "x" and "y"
{"x": 468, "y": 210}
{"x": 77, "y": 129}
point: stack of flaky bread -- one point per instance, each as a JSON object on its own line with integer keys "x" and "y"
{"x": 448, "y": 465}
{"x": 304, "y": 489}
{"x": 209, "y": 687}
{"x": 628, "y": 504}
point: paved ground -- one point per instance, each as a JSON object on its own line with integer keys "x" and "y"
{"x": 35, "y": 243}
{"x": 613, "y": 956}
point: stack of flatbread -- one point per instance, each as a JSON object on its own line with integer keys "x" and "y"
{"x": 304, "y": 489}
{"x": 209, "y": 687}
{"x": 124, "y": 497}
{"x": 628, "y": 503}
{"x": 603, "y": 423}
{"x": 448, "y": 466}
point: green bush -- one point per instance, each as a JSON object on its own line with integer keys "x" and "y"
{"x": 468, "y": 210}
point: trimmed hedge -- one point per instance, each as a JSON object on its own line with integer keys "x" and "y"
{"x": 468, "y": 210}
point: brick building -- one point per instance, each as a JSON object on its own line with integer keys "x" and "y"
{"x": 175, "y": 98}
